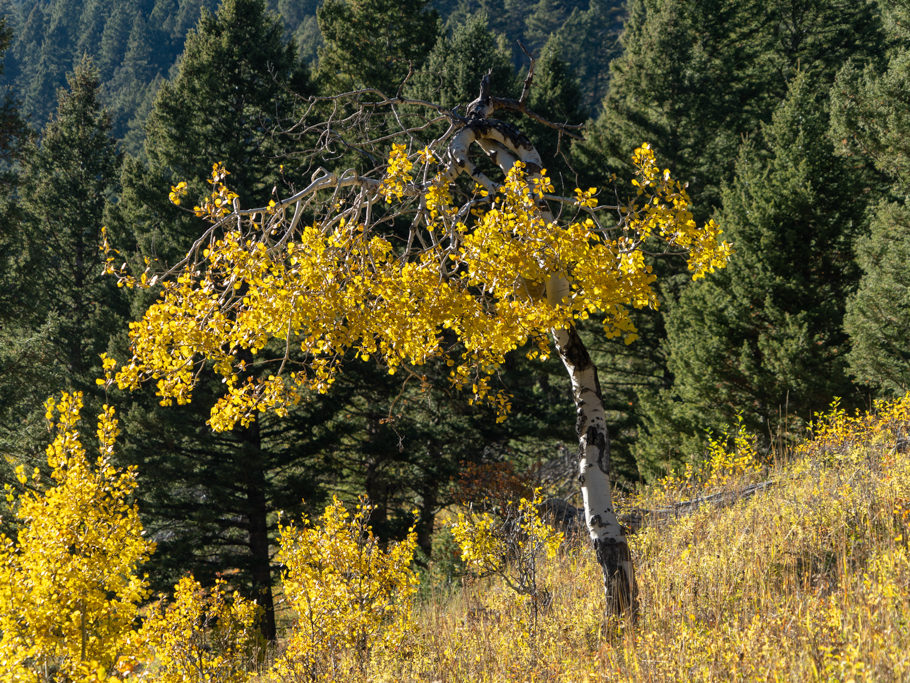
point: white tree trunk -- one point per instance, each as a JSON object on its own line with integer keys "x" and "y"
{"x": 503, "y": 144}
{"x": 594, "y": 468}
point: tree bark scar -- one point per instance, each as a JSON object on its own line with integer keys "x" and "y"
{"x": 515, "y": 136}
{"x": 598, "y": 437}
{"x": 482, "y": 126}
{"x": 580, "y": 422}
{"x": 575, "y": 351}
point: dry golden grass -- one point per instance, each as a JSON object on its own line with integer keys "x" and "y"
{"x": 807, "y": 580}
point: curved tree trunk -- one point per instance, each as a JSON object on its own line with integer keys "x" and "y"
{"x": 504, "y": 144}
{"x": 620, "y": 588}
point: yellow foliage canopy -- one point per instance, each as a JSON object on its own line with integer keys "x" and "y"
{"x": 349, "y": 284}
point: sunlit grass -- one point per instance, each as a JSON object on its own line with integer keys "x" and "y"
{"x": 806, "y": 580}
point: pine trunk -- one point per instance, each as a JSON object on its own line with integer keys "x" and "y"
{"x": 257, "y": 511}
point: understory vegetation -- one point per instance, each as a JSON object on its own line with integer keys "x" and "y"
{"x": 796, "y": 568}
{"x": 807, "y": 579}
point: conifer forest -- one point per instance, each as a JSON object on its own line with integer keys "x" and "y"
{"x": 454, "y": 340}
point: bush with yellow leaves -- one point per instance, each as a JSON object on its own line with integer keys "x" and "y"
{"x": 511, "y": 545}
{"x": 69, "y": 591}
{"x": 352, "y": 599}
{"x": 202, "y": 635}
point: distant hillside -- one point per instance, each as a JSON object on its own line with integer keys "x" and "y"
{"x": 135, "y": 43}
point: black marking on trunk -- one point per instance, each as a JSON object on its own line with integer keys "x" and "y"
{"x": 575, "y": 352}
{"x": 620, "y": 587}
{"x": 580, "y": 423}
{"x": 599, "y": 439}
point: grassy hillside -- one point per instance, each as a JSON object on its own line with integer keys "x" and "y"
{"x": 798, "y": 569}
{"x": 806, "y": 580}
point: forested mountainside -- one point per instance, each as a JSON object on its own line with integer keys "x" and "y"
{"x": 136, "y": 43}
{"x": 785, "y": 121}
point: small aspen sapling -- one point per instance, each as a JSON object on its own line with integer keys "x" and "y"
{"x": 351, "y": 598}
{"x": 69, "y": 584}
{"x": 511, "y": 544}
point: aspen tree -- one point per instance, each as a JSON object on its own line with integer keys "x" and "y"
{"x": 423, "y": 257}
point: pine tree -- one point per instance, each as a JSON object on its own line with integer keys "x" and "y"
{"x": 765, "y": 338}
{"x": 68, "y": 177}
{"x": 21, "y": 364}
{"x": 878, "y": 316}
{"x": 235, "y": 90}
{"x": 68, "y": 310}
{"x": 542, "y": 21}
{"x": 455, "y": 65}
{"x": 13, "y": 133}
{"x": 196, "y": 121}
{"x": 871, "y": 118}
{"x": 694, "y": 78}
{"x": 555, "y": 95}
{"x": 373, "y": 43}
{"x": 588, "y": 41}
{"x": 697, "y": 75}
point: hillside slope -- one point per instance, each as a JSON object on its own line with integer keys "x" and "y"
{"x": 809, "y": 579}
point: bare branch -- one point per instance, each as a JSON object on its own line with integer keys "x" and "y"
{"x": 526, "y": 88}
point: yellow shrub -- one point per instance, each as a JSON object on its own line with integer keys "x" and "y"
{"x": 201, "y": 636}
{"x": 352, "y": 599}
{"x": 512, "y": 546}
{"x": 68, "y": 584}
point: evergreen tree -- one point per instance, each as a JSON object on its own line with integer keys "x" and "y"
{"x": 588, "y": 41}
{"x": 765, "y": 338}
{"x": 871, "y": 118}
{"x": 373, "y": 43}
{"x": 451, "y": 74}
{"x": 46, "y": 70}
{"x": 556, "y": 96}
{"x": 542, "y": 21}
{"x": 21, "y": 363}
{"x": 68, "y": 309}
{"x": 697, "y": 75}
{"x": 68, "y": 177}
{"x": 300, "y": 17}
{"x": 13, "y": 133}
{"x": 878, "y": 316}
{"x": 112, "y": 44}
{"x": 235, "y": 90}
{"x": 133, "y": 44}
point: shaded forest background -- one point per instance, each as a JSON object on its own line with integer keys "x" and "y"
{"x": 788, "y": 119}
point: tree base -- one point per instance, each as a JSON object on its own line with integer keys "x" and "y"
{"x": 620, "y": 587}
